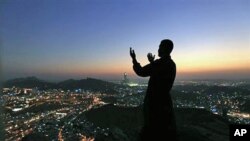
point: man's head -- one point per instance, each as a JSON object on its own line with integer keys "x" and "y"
{"x": 165, "y": 48}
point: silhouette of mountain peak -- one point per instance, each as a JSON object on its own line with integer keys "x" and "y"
{"x": 30, "y": 78}
{"x": 26, "y": 82}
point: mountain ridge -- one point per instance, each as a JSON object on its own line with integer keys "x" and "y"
{"x": 69, "y": 84}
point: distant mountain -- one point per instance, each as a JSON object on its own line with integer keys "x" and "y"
{"x": 28, "y": 82}
{"x": 88, "y": 84}
{"x": 71, "y": 84}
{"x": 192, "y": 124}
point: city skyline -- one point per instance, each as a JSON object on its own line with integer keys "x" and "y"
{"x": 76, "y": 39}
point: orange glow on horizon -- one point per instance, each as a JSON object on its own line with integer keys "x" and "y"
{"x": 191, "y": 63}
{"x": 183, "y": 68}
{"x": 213, "y": 60}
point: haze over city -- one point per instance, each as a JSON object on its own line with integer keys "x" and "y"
{"x": 56, "y": 40}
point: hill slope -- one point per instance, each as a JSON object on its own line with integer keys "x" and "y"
{"x": 192, "y": 124}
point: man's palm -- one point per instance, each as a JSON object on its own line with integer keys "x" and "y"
{"x": 132, "y": 53}
{"x": 151, "y": 57}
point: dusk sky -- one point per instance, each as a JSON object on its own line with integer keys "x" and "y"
{"x": 62, "y": 39}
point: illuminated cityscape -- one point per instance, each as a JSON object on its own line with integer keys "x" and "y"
{"x": 58, "y": 114}
{"x": 55, "y": 40}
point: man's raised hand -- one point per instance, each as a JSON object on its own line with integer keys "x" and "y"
{"x": 132, "y": 53}
{"x": 151, "y": 57}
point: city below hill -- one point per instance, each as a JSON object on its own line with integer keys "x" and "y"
{"x": 125, "y": 123}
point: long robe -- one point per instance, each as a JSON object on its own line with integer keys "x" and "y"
{"x": 159, "y": 119}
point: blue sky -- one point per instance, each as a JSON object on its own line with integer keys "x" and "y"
{"x": 60, "y": 39}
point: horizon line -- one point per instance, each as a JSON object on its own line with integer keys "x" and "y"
{"x": 134, "y": 79}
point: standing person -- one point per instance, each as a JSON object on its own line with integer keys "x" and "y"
{"x": 158, "y": 113}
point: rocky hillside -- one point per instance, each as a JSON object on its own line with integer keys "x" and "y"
{"x": 192, "y": 124}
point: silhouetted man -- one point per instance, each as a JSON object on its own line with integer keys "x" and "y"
{"x": 159, "y": 121}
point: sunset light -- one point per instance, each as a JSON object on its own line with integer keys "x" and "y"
{"x": 80, "y": 39}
